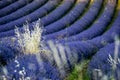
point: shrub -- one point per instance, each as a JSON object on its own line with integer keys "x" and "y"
{"x": 30, "y": 41}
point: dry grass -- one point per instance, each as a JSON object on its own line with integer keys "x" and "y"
{"x": 30, "y": 41}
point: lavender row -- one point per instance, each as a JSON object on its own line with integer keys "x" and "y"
{"x": 31, "y": 17}
{"x": 5, "y": 3}
{"x": 102, "y": 62}
{"x": 79, "y": 25}
{"x": 13, "y": 7}
{"x": 22, "y": 11}
{"x": 75, "y": 10}
{"x": 95, "y": 43}
{"x": 54, "y": 15}
{"x": 58, "y": 12}
{"x": 95, "y": 30}
{"x": 109, "y": 35}
{"x": 73, "y": 13}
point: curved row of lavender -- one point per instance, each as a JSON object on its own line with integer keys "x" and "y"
{"x": 106, "y": 62}
{"x": 73, "y": 30}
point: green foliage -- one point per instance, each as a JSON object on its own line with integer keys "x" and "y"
{"x": 79, "y": 72}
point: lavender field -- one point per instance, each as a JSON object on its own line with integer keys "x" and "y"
{"x": 59, "y": 39}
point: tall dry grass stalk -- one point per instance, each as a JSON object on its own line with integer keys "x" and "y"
{"x": 30, "y": 41}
